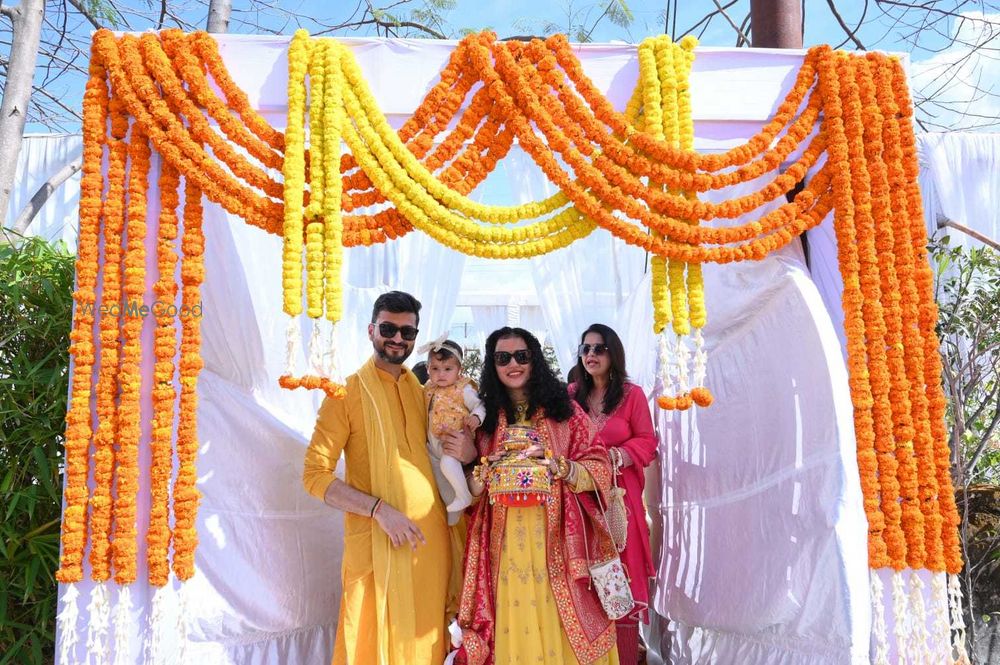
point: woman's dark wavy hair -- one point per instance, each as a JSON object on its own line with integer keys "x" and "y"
{"x": 617, "y": 374}
{"x": 545, "y": 390}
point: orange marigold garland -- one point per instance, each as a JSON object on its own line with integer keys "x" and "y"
{"x": 868, "y": 276}
{"x": 853, "y": 302}
{"x": 892, "y": 313}
{"x": 105, "y": 436}
{"x": 909, "y": 304}
{"x": 927, "y": 319}
{"x": 185, "y": 493}
{"x": 82, "y": 351}
{"x": 164, "y": 392}
{"x": 123, "y": 547}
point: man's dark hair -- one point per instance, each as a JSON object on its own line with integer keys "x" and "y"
{"x": 397, "y": 302}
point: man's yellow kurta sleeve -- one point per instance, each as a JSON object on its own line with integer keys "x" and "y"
{"x": 328, "y": 440}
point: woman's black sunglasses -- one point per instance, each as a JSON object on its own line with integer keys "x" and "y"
{"x": 598, "y": 349}
{"x": 521, "y": 356}
{"x": 389, "y": 330}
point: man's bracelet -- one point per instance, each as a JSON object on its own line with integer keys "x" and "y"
{"x": 375, "y": 508}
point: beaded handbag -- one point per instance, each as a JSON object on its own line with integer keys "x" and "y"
{"x": 609, "y": 579}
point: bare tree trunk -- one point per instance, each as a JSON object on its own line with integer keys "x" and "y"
{"x": 776, "y": 23}
{"x": 219, "y": 12}
{"x": 26, "y": 20}
{"x": 47, "y": 189}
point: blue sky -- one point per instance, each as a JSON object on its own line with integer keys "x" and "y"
{"x": 518, "y": 17}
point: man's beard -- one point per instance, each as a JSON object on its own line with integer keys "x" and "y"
{"x": 384, "y": 354}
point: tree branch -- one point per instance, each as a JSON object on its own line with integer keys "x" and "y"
{"x": 725, "y": 15}
{"x": 410, "y": 24}
{"x": 943, "y": 222}
{"x": 78, "y": 6}
{"x": 981, "y": 448}
{"x": 44, "y": 192}
{"x": 843, "y": 24}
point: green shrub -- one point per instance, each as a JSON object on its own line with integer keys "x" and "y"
{"x": 36, "y": 282}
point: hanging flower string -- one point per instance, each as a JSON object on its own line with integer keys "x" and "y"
{"x": 319, "y": 61}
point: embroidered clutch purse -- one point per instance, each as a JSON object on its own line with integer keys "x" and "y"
{"x": 518, "y": 481}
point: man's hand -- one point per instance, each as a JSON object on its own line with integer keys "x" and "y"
{"x": 459, "y": 445}
{"x": 399, "y": 527}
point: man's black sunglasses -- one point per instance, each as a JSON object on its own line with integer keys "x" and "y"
{"x": 502, "y": 358}
{"x": 389, "y": 330}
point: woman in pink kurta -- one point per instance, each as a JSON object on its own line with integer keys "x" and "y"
{"x": 621, "y": 414}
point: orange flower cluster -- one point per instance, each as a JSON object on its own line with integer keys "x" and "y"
{"x": 105, "y": 438}
{"x": 164, "y": 394}
{"x": 78, "y": 418}
{"x": 186, "y": 495}
{"x": 182, "y": 102}
{"x": 123, "y": 545}
{"x": 889, "y": 314}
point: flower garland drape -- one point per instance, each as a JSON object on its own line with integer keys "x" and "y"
{"x": 844, "y": 128}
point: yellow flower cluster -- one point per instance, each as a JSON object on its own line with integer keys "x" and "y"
{"x": 294, "y": 171}
{"x": 677, "y": 285}
{"x": 320, "y": 60}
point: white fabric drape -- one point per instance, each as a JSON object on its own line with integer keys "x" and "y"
{"x": 961, "y": 182}
{"x": 42, "y": 156}
{"x": 762, "y": 475}
{"x": 486, "y": 319}
{"x": 587, "y": 282}
{"x": 763, "y": 538}
{"x": 531, "y": 317}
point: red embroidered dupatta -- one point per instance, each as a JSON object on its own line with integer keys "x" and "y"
{"x": 569, "y": 521}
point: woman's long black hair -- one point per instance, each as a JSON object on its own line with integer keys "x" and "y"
{"x": 544, "y": 388}
{"x": 617, "y": 375}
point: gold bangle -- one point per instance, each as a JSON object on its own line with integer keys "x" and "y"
{"x": 562, "y": 468}
{"x": 480, "y": 471}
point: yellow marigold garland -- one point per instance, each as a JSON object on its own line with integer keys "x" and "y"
{"x": 333, "y": 227}
{"x": 295, "y": 172}
{"x": 314, "y": 212}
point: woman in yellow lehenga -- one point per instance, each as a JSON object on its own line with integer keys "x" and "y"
{"x": 526, "y": 596}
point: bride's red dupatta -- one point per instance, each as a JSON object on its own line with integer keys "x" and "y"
{"x": 575, "y": 527}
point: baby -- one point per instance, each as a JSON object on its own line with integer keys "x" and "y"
{"x": 452, "y": 403}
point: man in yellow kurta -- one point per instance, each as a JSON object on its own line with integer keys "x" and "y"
{"x": 398, "y": 553}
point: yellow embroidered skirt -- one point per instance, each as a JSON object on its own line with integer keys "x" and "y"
{"x": 528, "y": 626}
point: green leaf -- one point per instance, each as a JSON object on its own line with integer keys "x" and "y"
{"x": 44, "y": 471}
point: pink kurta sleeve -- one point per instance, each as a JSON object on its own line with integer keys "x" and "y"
{"x": 641, "y": 447}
